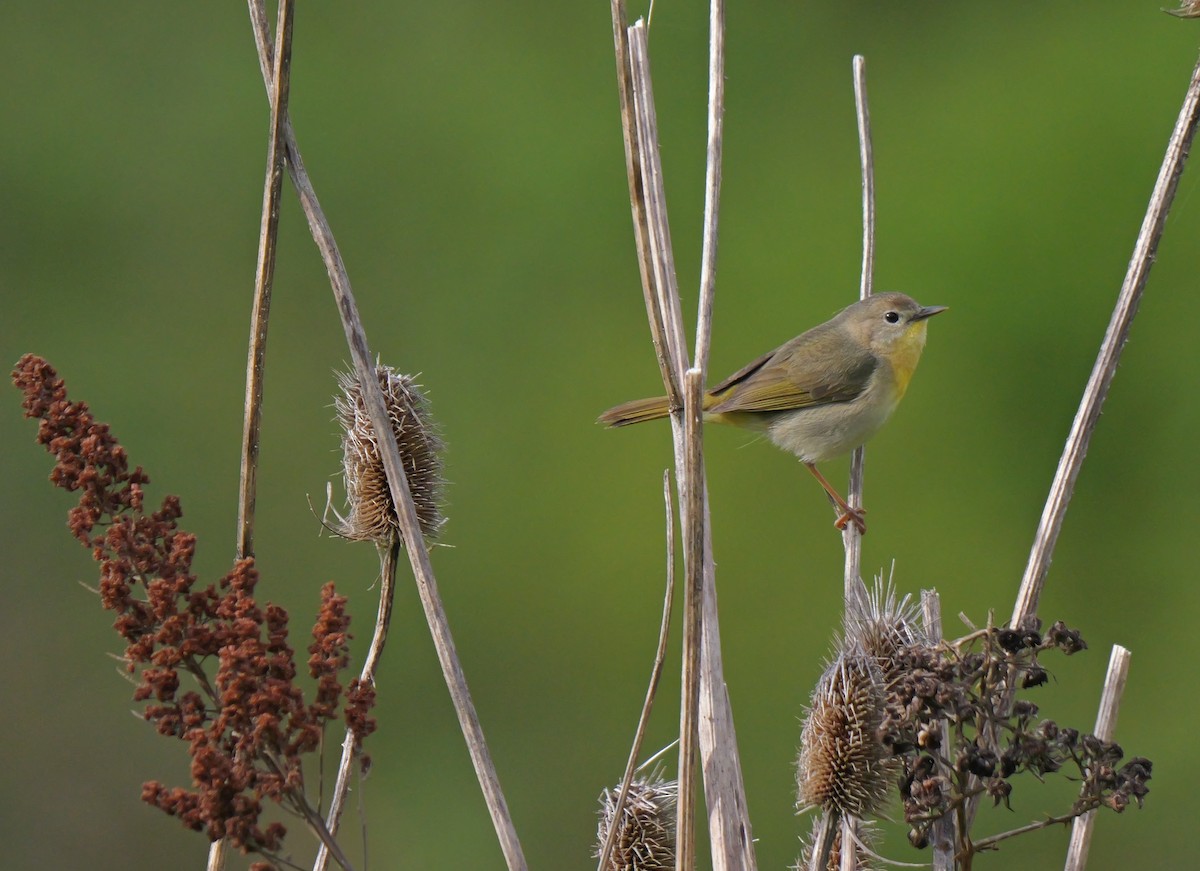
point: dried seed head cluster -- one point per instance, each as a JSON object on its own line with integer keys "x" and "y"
{"x": 967, "y": 685}
{"x": 941, "y": 721}
{"x": 247, "y": 725}
{"x": 645, "y": 838}
{"x": 371, "y": 514}
{"x": 843, "y": 767}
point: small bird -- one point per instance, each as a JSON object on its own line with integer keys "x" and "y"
{"x": 822, "y": 394}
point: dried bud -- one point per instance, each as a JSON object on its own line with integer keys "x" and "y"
{"x": 1009, "y": 639}
{"x": 999, "y": 789}
{"x": 843, "y": 765}
{"x": 1066, "y": 639}
{"x": 645, "y": 839}
{"x": 371, "y": 514}
{"x": 1035, "y": 676}
{"x": 1024, "y": 708}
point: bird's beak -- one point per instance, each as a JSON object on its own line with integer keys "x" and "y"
{"x": 928, "y": 312}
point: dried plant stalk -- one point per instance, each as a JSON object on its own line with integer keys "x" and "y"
{"x": 1105, "y": 367}
{"x": 729, "y": 823}
{"x": 1106, "y": 727}
{"x": 418, "y": 554}
{"x": 660, "y": 655}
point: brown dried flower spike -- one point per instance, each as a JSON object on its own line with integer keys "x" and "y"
{"x": 371, "y": 514}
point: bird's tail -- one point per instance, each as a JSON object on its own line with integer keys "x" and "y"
{"x": 636, "y": 412}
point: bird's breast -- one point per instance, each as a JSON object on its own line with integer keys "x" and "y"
{"x": 822, "y": 432}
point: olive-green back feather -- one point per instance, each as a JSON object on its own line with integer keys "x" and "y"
{"x": 815, "y": 368}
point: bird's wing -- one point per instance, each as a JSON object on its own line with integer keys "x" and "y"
{"x": 771, "y": 382}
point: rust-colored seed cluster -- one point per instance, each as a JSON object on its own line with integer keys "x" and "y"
{"x": 247, "y": 726}
{"x": 645, "y": 838}
{"x": 371, "y": 513}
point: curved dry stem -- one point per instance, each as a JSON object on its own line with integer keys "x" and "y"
{"x": 388, "y": 556}
{"x": 660, "y": 656}
{"x": 414, "y": 544}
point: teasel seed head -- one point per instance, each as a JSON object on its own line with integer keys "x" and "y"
{"x": 843, "y": 766}
{"x": 371, "y": 514}
{"x": 867, "y": 834}
{"x": 645, "y": 838}
{"x": 882, "y": 625}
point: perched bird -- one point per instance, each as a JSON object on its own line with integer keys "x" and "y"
{"x": 822, "y": 394}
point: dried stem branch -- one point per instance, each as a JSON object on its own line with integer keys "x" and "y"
{"x": 264, "y": 278}
{"x": 388, "y": 556}
{"x": 851, "y": 538}
{"x": 660, "y": 657}
{"x": 712, "y": 182}
{"x": 1106, "y": 727}
{"x": 414, "y": 543}
{"x": 942, "y": 840}
{"x": 693, "y": 549}
{"x": 637, "y": 200}
{"x": 729, "y": 825}
{"x": 1109, "y": 356}
{"x": 866, "y": 155}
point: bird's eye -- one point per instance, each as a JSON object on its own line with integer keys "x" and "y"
{"x": 892, "y": 317}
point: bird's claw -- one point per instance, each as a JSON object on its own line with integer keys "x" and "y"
{"x": 855, "y": 516}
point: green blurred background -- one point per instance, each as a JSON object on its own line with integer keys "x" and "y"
{"x": 469, "y": 157}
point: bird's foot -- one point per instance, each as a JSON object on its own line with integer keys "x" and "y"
{"x": 855, "y": 516}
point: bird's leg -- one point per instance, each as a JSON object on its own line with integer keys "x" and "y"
{"x": 849, "y": 514}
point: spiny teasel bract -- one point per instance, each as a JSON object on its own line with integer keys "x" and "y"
{"x": 842, "y": 765}
{"x": 646, "y": 831}
{"x": 864, "y": 859}
{"x": 881, "y": 624}
{"x": 371, "y": 514}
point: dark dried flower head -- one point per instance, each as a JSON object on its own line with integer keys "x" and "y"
{"x": 843, "y": 766}
{"x": 646, "y": 831}
{"x": 371, "y": 514}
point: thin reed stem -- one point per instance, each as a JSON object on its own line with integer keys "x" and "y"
{"x": 729, "y": 824}
{"x": 942, "y": 841}
{"x": 388, "y": 556}
{"x": 1106, "y": 729}
{"x": 264, "y": 277}
{"x": 637, "y": 201}
{"x": 851, "y": 538}
{"x": 660, "y": 657}
{"x": 712, "y": 183}
{"x": 1105, "y": 367}
{"x": 693, "y": 548}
